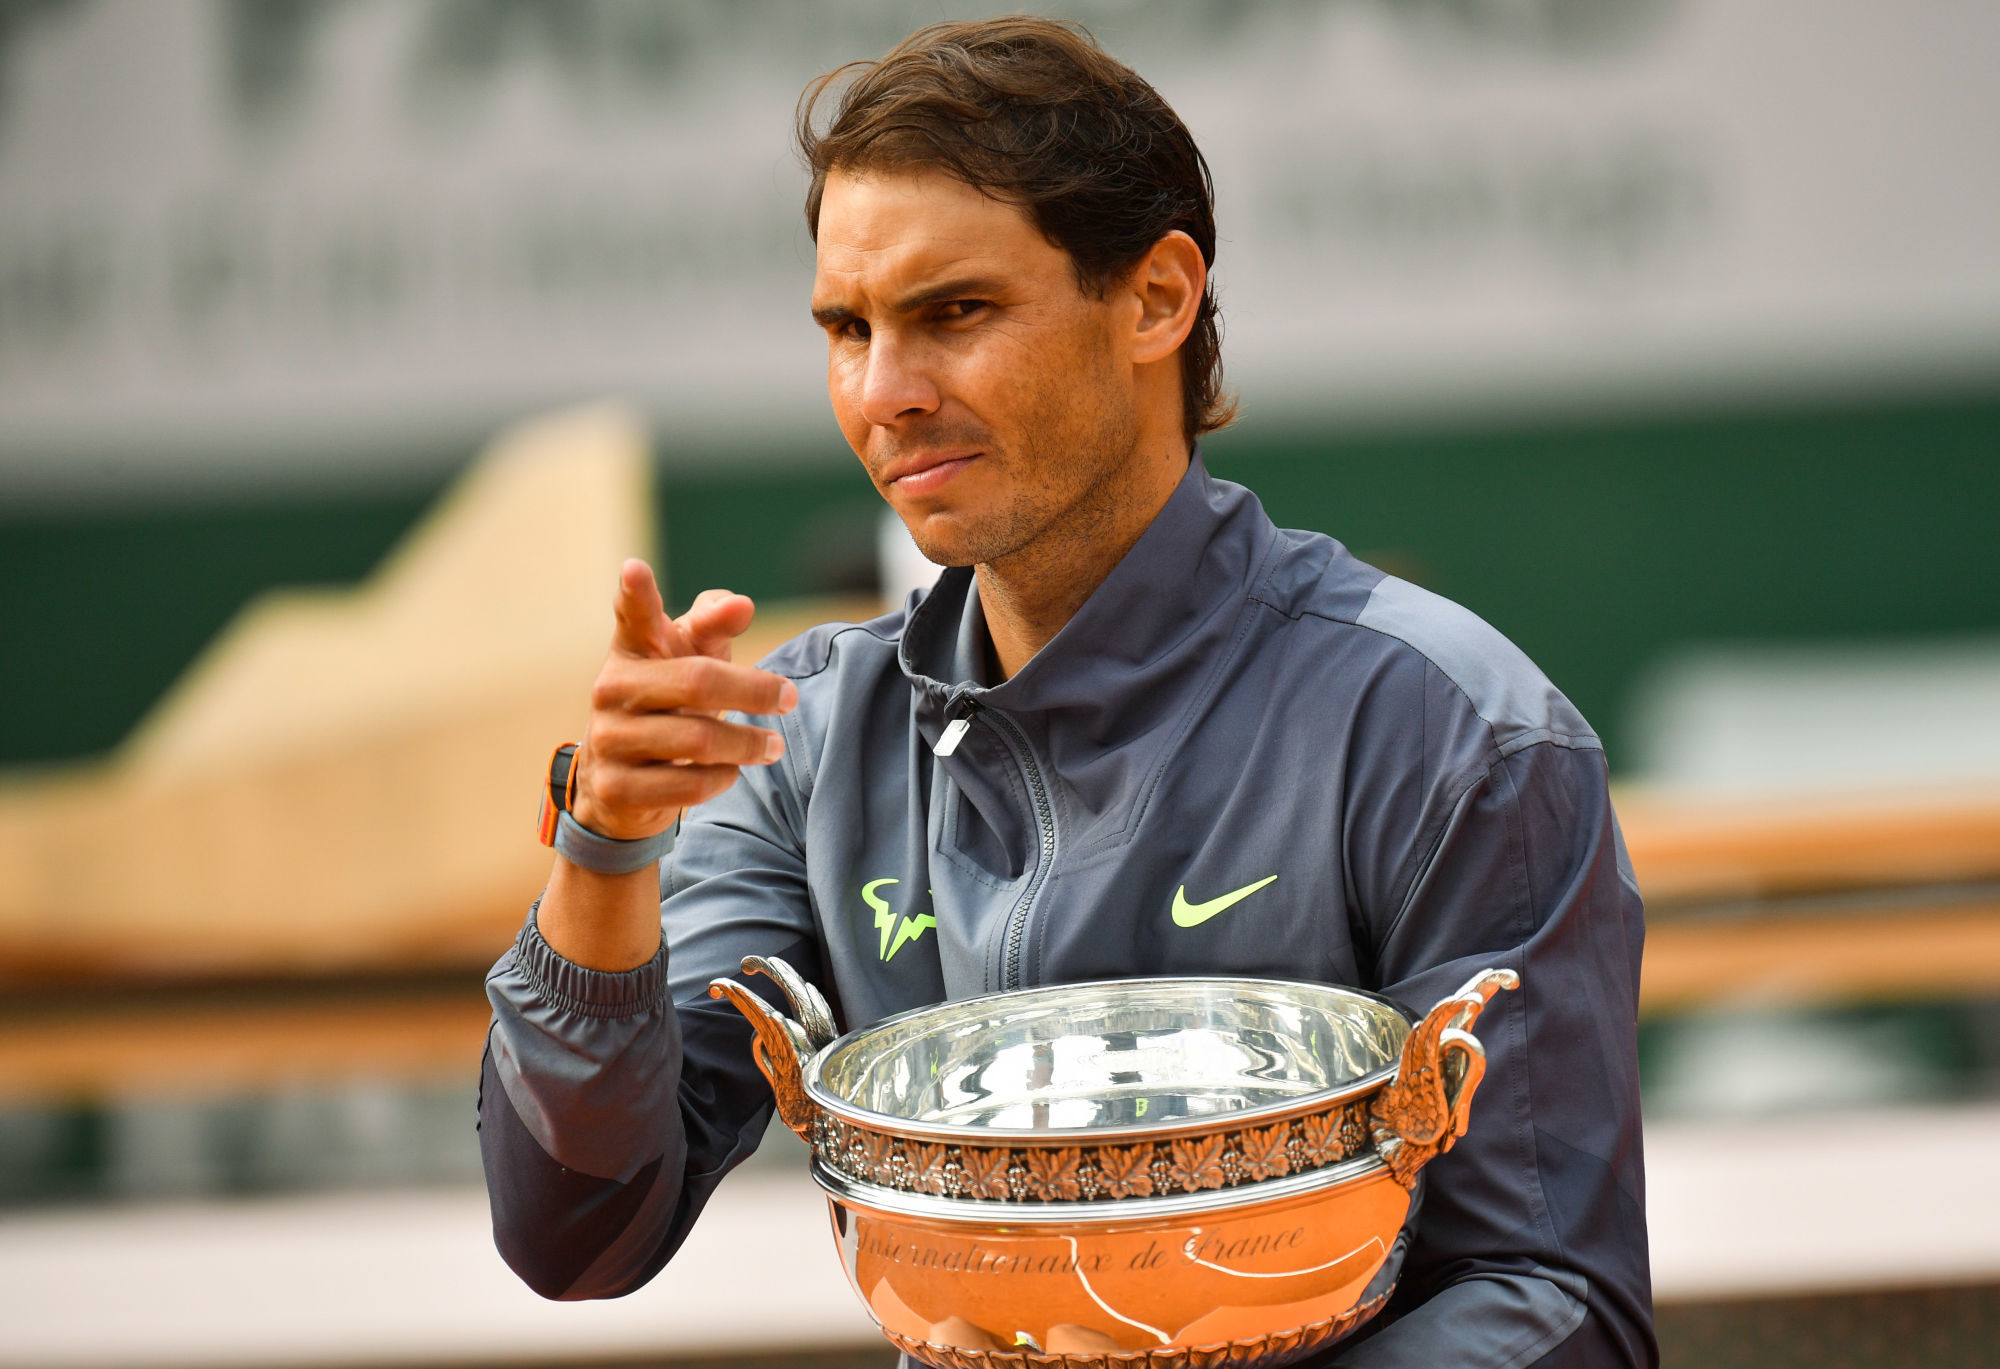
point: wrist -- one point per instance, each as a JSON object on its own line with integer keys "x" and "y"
{"x": 578, "y": 842}
{"x": 607, "y": 923}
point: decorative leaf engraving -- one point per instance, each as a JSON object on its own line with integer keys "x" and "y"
{"x": 1052, "y": 1174}
{"x": 927, "y": 1167}
{"x": 1264, "y": 1154}
{"x": 1145, "y": 1169}
{"x": 877, "y": 1156}
{"x": 986, "y": 1173}
{"x": 1321, "y": 1134}
{"x": 1295, "y": 1147}
{"x": 1197, "y": 1163}
{"x": 1126, "y": 1171}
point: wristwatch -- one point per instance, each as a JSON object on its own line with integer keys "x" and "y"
{"x": 579, "y": 845}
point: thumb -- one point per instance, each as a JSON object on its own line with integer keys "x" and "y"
{"x": 643, "y": 628}
{"x": 716, "y": 617}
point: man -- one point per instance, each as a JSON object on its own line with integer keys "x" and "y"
{"x": 1136, "y": 729}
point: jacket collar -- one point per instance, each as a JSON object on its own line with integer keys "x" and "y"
{"x": 1196, "y": 561}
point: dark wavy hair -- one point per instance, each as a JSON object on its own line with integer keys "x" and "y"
{"x": 1034, "y": 112}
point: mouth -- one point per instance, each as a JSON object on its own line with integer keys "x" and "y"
{"x": 925, "y": 474}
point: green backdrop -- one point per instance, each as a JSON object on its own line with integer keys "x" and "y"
{"x": 1596, "y": 544}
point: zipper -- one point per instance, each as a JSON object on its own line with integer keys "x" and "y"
{"x": 1045, "y": 820}
{"x": 959, "y": 715}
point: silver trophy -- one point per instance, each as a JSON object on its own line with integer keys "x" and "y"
{"x": 1142, "y": 1172}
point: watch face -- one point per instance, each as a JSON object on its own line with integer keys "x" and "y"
{"x": 560, "y": 792}
{"x": 562, "y": 776}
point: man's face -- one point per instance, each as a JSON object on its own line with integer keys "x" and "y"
{"x": 985, "y": 391}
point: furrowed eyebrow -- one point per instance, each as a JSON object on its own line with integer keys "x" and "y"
{"x": 970, "y": 287}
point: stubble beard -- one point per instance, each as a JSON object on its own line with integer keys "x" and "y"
{"x": 1075, "y": 457}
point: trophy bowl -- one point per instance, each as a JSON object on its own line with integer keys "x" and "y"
{"x": 1157, "y": 1172}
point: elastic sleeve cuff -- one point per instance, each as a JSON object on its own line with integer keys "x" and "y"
{"x": 589, "y": 993}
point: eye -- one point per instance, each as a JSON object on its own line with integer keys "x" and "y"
{"x": 957, "y": 309}
{"x": 855, "y": 328}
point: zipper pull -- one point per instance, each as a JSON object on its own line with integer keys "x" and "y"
{"x": 954, "y": 733}
{"x": 955, "y": 728}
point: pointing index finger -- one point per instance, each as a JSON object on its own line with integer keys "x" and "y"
{"x": 643, "y": 628}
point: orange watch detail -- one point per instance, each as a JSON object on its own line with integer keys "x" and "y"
{"x": 559, "y": 790}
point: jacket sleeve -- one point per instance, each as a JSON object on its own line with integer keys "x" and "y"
{"x": 611, "y": 1105}
{"x": 1530, "y": 1244}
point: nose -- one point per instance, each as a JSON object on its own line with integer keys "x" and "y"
{"x": 895, "y": 385}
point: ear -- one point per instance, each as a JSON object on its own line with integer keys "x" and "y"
{"x": 1168, "y": 283}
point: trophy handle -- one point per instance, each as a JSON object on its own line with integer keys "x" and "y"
{"x": 808, "y": 1003}
{"x": 782, "y": 1045}
{"x": 1423, "y": 1111}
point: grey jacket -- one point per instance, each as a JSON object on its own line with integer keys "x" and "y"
{"x": 1235, "y": 701}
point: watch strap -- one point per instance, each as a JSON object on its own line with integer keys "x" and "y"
{"x": 579, "y": 845}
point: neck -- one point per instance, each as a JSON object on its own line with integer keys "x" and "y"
{"x": 1028, "y": 596}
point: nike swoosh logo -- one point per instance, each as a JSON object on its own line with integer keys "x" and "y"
{"x": 1194, "y": 914}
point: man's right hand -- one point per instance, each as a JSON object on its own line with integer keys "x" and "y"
{"x": 657, "y": 742}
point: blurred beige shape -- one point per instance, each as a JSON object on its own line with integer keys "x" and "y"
{"x": 1885, "y": 895}
{"x": 347, "y": 778}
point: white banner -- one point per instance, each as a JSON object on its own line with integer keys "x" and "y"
{"x": 239, "y": 238}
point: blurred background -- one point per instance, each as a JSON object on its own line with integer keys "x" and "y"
{"x": 346, "y": 346}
